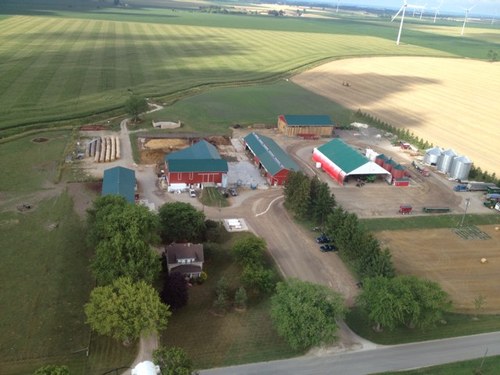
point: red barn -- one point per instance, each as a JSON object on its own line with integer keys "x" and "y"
{"x": 199, "y": 165}
{"x": 270, "y": 158}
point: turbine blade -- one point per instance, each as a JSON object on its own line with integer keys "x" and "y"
{"x": 397, "y": 14}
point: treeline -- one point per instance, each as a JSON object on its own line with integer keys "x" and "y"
{"x": 476, "y": 173}
{"x": 387, "y": 300}
{"x": 310, "y": 199}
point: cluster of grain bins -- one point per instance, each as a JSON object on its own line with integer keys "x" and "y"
{"x": 397, "y": 170}
{"x": 104, "y": 149}
{"x": 449, "y": 162}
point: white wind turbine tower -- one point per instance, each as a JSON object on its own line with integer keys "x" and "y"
{"x": 338, "y": 1}
{"x": 402, "y": 10}
{"x": 437, "y": 10}
{"x": 422, "y": 10}
{"x": 467, "y": 10}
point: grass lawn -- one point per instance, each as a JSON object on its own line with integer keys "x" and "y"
{"x": 219, "y": 108}
{"x": 28, "y": 166}
{"x": 428, "y": 221}
{"x": 456, "y": 325}
{"x": 488, "y": 366}
{"x": 237, "y": 337}
{"x": 44, "y": 269}
{"x": 211, "y": 196}
{"x": 64, "y": 64}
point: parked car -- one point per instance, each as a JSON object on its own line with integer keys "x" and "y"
{"x": 192, "y": 193}
{"x": 233, "y": 192}
{"x": 327, "y": 248}
{"x": 323, "y": 239}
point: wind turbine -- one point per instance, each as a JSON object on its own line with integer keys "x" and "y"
{"x": 338, "y": 1}
{"x": 402, "y": 10}
{"x": 436, "y": 12}
{"x": 467, "y": 10}
{"x": 422, "y": 10}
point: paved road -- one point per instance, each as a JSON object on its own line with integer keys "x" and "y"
{"x": 388, "y": 358}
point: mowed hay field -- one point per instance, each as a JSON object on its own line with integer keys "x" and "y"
{"x": 452, "y": 103}
{"x": 441, "y": 255}
{"x": 74, "y": 64}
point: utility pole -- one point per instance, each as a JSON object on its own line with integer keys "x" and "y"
{"x": 467, "y": 202}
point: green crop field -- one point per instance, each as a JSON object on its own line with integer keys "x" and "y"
{"x": 62, "y": 63}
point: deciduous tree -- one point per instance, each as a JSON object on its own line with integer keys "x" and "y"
{"x": 173, "y": 361}
{"x": 135, "y": 105}
{"x": 52, "y": 370}
{"x": 124, "y": 310}
{"x": 180, "y": 221}
{"x": 249, "y": 250}
{"x": 258, "y": 278}
{"x": 403, "y": 300}
{"x": 305, "y": 314}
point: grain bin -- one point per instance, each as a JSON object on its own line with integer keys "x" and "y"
{"x": 389, "y": 164}
{"x": 460, "y": 168}
{"x": 445, "y": 160}
{"x": 398, "y": 172}
{"x": 380, "y": 159}
{"x": 432, "y": 155}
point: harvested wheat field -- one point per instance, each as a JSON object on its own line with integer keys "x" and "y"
{"x": 452, "y": 103}
{"x": 455, "y": 263}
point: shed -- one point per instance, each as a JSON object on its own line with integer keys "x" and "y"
{"x": 270, "y": 158}
{"x": 293, "y": 125}
{"x": 119, "y": 181}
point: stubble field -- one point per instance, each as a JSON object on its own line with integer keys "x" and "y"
{"x": 455, "y": 263}
{"x": 452, "y": 103}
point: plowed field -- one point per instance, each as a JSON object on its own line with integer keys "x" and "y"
{"x": 452, "y": 103}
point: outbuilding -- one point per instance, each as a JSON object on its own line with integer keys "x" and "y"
{"x": 305, "y": 125}
{"x": 198, "y": 165}
{"x": 341, "y": 161}
{"x": 119, "y": 181}
{"x": 270, "y": 158}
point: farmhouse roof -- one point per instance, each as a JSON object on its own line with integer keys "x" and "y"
{"x": 176, "y": 251}
{"x": 119, "y": 181}
{"x": 308, "y": 120}
{"x": 200, "y": 157}
{"x": 271, "y": 156}
{"x": 348, "y": 159}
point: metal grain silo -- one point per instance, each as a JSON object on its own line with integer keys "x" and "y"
{"x": 460, "y": 168}
{"x": 445, "y": 160}
{"x": 432, "y": 155}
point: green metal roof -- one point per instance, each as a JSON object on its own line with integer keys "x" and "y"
{"x": 119, "y": 181}
{"x": 347, "y": 158}
{"x": 308, "y": 120}
{"x": 200, "y": 157}
{"x": 271, "y": 156}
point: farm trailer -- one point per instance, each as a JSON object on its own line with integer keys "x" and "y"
{"x": 436, "y": 210}
{"x": 480, "y": 186}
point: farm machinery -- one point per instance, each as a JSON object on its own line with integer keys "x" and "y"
{"x": 420, "y": 169}
{"x": 405, "y": 209}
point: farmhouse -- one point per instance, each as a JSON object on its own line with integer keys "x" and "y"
{"x": 119, "y": 181}
{"x": 341, "y": 161}
{"x": 186, "y": 258}
{"x": 305, "y": 125}
{"x": 199, "y": 165}
{"x": 270, "y": 158}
